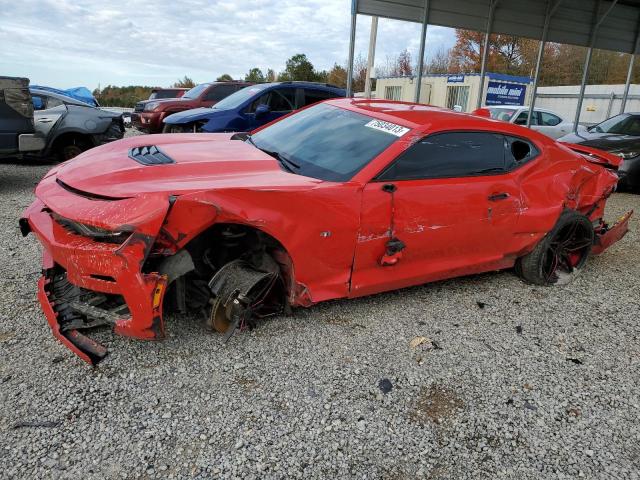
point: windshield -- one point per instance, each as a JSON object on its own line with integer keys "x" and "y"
{"x": 238, "y": 98}
{"x": 196, "y": 91}
{"x": 504, "y": 114}
{"x": 623, "y": 124}
{"x": 327, "y": 142}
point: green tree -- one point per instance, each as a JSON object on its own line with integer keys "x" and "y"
{"x": 254, "y": 75}
{"x": 271, "y": 75}
{"x": 300, "y": 68}
{"x": 337, "y": 76}
{"x": 225, "y": 77}
{"x": 185, "y": 82}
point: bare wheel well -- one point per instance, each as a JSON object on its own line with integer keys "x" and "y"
{"x": 224, "y": 242}
{"x": 81, "y": 140}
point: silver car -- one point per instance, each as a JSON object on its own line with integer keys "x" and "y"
{"x": 544, "y": 121}
{"x": 71, "y": 126}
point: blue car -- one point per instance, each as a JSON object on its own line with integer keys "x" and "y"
{"x": 251, "y": 107}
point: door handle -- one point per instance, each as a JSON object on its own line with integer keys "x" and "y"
{"x": 498, "y": 196}
{"x": 45, "y": 120}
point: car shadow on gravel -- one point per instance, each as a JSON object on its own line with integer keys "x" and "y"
{"x": 20, "y": 178}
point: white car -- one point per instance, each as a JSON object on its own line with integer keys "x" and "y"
{"x": 544, "y": 121}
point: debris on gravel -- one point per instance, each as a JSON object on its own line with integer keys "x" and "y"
{"x": 527, "y": 382}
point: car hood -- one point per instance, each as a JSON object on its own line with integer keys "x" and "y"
{"x": 194, "y": 115}
{"x": 202, "y": 162}
{"x": 603, "y": 141}
{"x": 172, "y": 102}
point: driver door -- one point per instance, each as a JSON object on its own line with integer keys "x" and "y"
{"x": 451, "y": 202}
{"x": 48, "y": 111}
{"x": 280, "y": 101}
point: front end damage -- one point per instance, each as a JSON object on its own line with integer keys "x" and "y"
{"x": 154, "y": 248}
{"x": 92, "y": 281}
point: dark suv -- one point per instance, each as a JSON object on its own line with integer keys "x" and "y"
{"x": 149, "y": 114}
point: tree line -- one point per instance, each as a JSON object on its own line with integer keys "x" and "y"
{"x": 508, "y": 54}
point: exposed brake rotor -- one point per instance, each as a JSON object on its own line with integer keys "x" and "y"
{"x": 240, "y": 293}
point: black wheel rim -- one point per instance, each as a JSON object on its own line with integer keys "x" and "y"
{"x": 567, "y": 251}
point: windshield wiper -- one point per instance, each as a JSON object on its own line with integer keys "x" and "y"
{"x": 284, "y": 161}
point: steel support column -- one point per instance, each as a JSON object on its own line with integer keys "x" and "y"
{"x": 423, "y": 35}
{"x": 485, "y": 49}
{"x": 352, "y": 46}
{"x": 632, "y": 60}
{"x": 587, "y": 60}
{"x": 551, "y": 9}
{"x": 371, "y": 55}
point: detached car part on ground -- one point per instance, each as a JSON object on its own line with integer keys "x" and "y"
{"x": 251, "y": 107}
{"x": 619, "y": 135}
{"x": 342, "y": 199}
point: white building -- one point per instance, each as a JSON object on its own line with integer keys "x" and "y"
{"x": 451, "y": 90}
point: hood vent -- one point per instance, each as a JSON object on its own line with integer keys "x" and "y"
{"x": 150, "y": 155}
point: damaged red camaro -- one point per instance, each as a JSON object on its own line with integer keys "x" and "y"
{"x": 342, "y": 199}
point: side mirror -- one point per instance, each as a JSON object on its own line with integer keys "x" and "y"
{"x": 262, "y": 110}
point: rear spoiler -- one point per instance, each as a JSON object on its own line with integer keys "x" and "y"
{"x": 594, "y": 155}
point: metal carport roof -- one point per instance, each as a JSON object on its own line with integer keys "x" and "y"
{"x": 609, "y": 25}
{"x": 571, "y": 23}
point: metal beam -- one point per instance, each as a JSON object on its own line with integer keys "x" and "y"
{"x": 352, "y": 45}
{"x": 587, "y": 61}
{"x": 371, "y": 55}
{"x": 423, "y": 35}
{"x": 632, "y": 60}
{"x": 552, "y": 7}
{"x": 485, "y": 49}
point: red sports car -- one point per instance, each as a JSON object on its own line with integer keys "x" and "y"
{"x": 341, "y": 199}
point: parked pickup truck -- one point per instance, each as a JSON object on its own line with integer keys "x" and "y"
{"x": 148, "y": 115}
{"x": 35, "y": 121}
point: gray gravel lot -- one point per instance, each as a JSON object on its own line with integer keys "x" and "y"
{"x": 538, "y": 383}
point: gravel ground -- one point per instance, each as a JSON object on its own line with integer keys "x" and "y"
{"x": 511, "y": 381}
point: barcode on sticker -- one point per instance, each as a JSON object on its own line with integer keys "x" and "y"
{"x": 388, "y": 127}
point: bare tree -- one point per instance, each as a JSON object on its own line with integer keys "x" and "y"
{"x": 440, "y": 62}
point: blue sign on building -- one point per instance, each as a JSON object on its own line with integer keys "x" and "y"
{"x": 503, "y": 93}
{"x": 455, "y": 79}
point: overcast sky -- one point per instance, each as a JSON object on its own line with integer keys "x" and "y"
{"x": 65, "y": 43}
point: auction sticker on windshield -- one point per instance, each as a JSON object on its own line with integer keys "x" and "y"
{"x": 388, "y": 127}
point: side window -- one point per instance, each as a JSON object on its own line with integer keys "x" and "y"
{"x": 455, "y": 154}
{"x": 313, "y": 96}
{"x": 633, "y": 126}
{"x": 522, "y": 118}
{"x": 518, "y": 152}
{"x": 38, "y": 102}
{"x": 219, "y": 92}
{"x": 53, "y": 102}
{"x": 262, "y": 100}
{"x": 282, "y": 100}
{"x": 549, "y": 119}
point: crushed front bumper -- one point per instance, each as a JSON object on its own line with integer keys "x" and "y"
{"x": 98, "y": 270}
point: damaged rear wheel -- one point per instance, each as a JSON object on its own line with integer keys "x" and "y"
{"x": 560, "y": 255}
